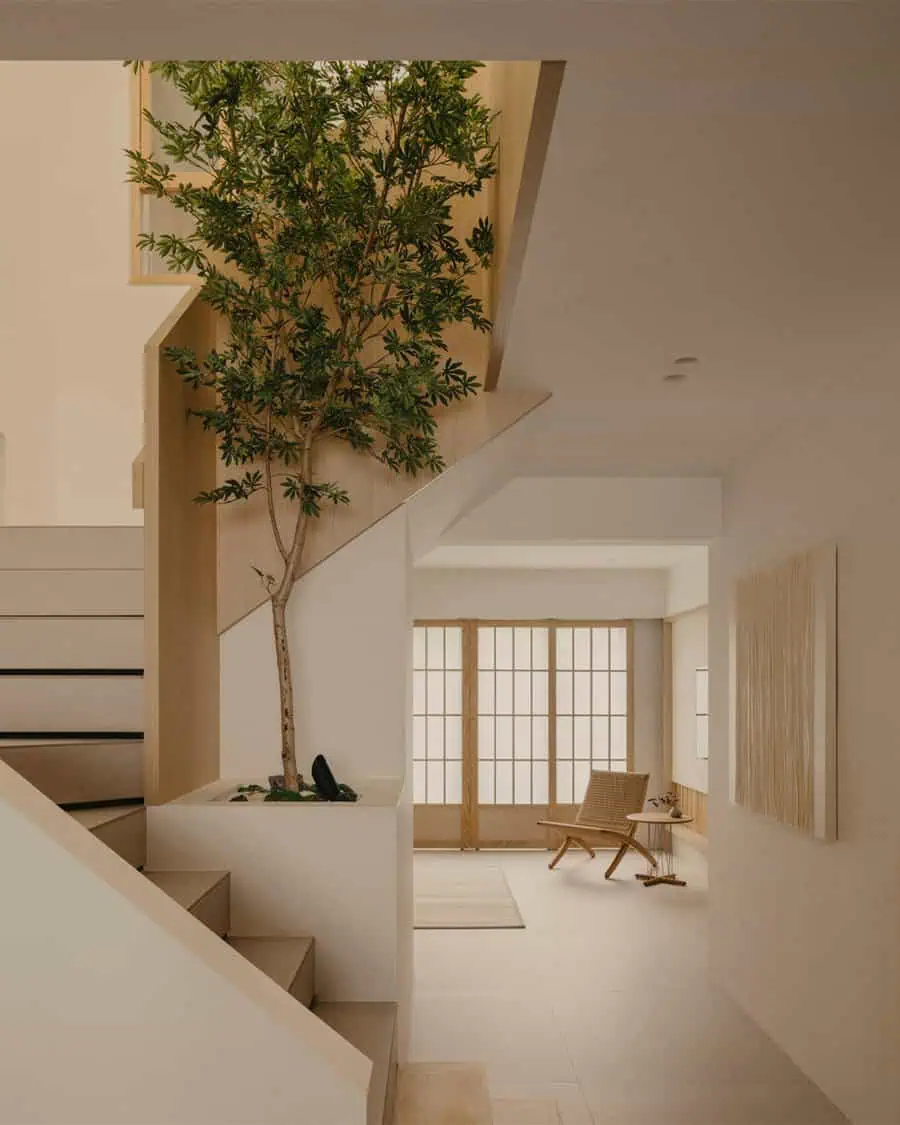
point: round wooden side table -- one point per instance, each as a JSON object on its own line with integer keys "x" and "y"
{"x": 659, "y": 829}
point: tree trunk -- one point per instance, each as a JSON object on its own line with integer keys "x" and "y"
{"x": 286, "y": 691}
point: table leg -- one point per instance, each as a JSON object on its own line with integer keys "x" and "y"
{"x": 660, "y": 841}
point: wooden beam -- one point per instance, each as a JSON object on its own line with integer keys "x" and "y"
{"x": 546, "y": 96}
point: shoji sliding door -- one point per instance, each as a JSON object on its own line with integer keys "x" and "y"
{"x": 509, "y": 718}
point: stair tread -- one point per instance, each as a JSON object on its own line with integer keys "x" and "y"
{"x": 96, "y": 818}
{"x": 370, "y": 1027}
{"x": 187, "y": 888}
{"x": 280, "y": 958}
{"x": 443, "y": 1093}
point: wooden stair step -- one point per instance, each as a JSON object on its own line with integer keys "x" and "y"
{"x": 443, "y": 1094}
{"x": 289, "y": 962}
{"x": 205, "y": 894}
{"x": 372, "y": 1029}
{"x": 123, "y": 828}
{"x": 79, "y": 772}
{"x": 525, "y": 1111}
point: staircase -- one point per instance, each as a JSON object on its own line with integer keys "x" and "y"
{"x": 71, "y": 713}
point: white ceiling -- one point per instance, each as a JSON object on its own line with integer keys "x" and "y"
{"x": 739, "y": 205}
{"x": 563, "y": 556}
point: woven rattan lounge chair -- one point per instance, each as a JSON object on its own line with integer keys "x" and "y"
{"x": 608, "y": 800}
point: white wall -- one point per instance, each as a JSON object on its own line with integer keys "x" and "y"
{"x": 689, "y": 652}
{"x": 489, "y": 593}
{"x": 577, "y": 509}
{"x": 806, "y": 935}
{"x": 72, "y": 329}
{"x": 119, "y": 1008}
{"x": 688, "y": 585}
{"x": 350, "y": 630}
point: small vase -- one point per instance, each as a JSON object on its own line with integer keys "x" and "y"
{"x": 675, "y": 813}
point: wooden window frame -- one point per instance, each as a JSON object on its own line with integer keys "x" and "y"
{"x": 141, "y": 141}
{"x": 436, "y": 829}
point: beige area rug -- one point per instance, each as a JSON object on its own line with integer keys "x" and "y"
{"x": 457, "y": 898}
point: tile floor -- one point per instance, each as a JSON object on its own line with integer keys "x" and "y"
{"x": 602, "y": 1003}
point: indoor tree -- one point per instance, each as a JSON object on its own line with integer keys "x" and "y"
{"x": 322, "y": 232}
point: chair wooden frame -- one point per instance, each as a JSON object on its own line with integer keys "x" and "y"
{"x": 601, "y": 819}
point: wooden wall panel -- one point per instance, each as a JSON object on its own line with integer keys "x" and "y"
{"x": 693, "y": 803}
{"x": 182, "y": 645}
{"x": 785, "y": 687}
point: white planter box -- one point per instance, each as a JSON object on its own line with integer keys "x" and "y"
{"x": 339, "y": 872}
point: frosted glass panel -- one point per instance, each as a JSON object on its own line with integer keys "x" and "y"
{"x": 437, "y": 708}
{"x": 563, "y": 737}
{"x": 418, "y": 647}
{"x": 435, "y": 647}
{"x": 485, "y": 693}
{"x": 582, "y": 693}
{"x": 167, "y": 103}
{"x": 564, "y": 648}
{"x": 618, "y": 765}
{"x": 160, "y": 216}
{"x": 564, "y": 783}
{"x": 540, "y": 783}
{"x": 702, "y": 691}
{"x": 600, "y": 658}
{"x": 522, "y": 693}
{"x": 435, "y": 736}
{"x": 540, "y": 742}
{"x": 523, "y": 783}
{"x": 580, "y": 779}
{"x": 419, "y": 736}
{"x": 435, "y": 783}
{"x": 486, "y": 783}
{"x": 504, "y": 699}
{"x": 504, "y": 650}
{"x": 419, "y": 706}
{"x": 582, "y": 737}
{"x": 582, "y": 650}
{"x": 702, "y": 736}
{"x": 539, "y": 648}
{"x": 503, "y": 736}
{"x": 453, "y": 737}
{"x": 435, "y": 691}
{"x": 522, "y": 648}
{"x": 600, "y": 740}
{"x": 619, "y": 693}
{"x": 522, "y": 735}
{"x": 453, "y": 647}
{"x": 419, "y": 790}
{"x": 453, "y": 685}
{"x": 485, "y": 648}
{"x": 503, "y": 793}
{"x": 564, "y": 693}
{"x": 485, "y": 736}
{"x": 539, "y": 693}
{"x": 454, "y": 783}
{"x": 618, "y": 738}
{"x": 600, "y": 693}
{"x": 618, "y": 649}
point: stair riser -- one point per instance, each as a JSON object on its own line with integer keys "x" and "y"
{"x": 214, "y": 909}
{"x": 80, "y": 773}
{"x": 71, "y": 642}
{"x": 71, "y": 703}
{"x": 304, "y": 986}
{"x": 72, "y": 593}
{"x": 127, "y": 837}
